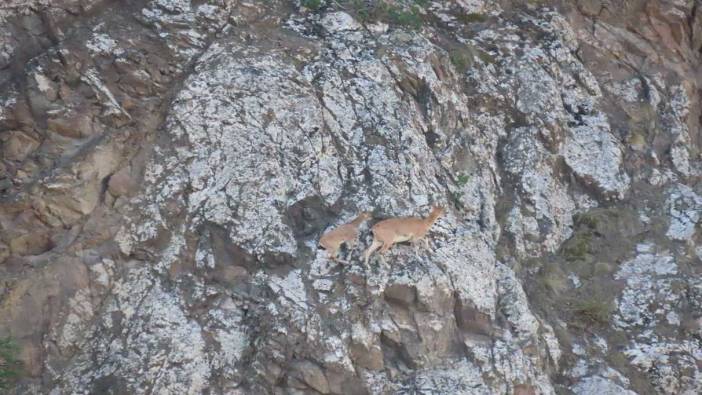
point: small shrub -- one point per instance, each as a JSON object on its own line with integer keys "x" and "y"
{"x": 618, "y": 360}
{"x": 637, "y": 140}
{"x": 462, "y": 180}
{"x": 602, "y": 269}
{"x": 360, "y": 9}
{"x": 593, "y": 310}
{"x": 411, "y": 18}
{"x": 313, "y": 5}
{"x": 10, "y": 366}
{"x": 586, "y": 219}
{"x": 471, "y": 18}
{"x": 578, "y": 247}
{"x": 552, "y": 277}
{"x": 383, "y": 11}
{"x": 457, "y": 199}
{"x": 461, "y": 60}
{"x": 486, "y": 57}
{"x": 366, "y": 12}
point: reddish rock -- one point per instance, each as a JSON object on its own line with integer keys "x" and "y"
{"x": 313, "y": 376}
{"x": 16, "y": 145}
{"x": 121, "y": 183}
{"x": 370, "y": 358}
{"x": 524, "y": 389}
{"x": 33, "y": 243}
{"x": 71, "y": 125}
{"x": 401, "y": 293}
{"x": 470, "y": 319}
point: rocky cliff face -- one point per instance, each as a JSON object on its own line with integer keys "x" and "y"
{"x": 168, "y": 167}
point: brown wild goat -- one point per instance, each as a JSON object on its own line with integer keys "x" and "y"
{"x": 344, "y": 234}
{"x": 396, "y": 230}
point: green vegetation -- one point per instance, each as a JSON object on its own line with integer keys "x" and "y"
{"x": 485, "y": 57}
{"x": 313, "y": 5}
{"x": 578, "y": 247}
{"x": 411, "y": 18}
{"x": 618, "y": 360}
{"x": 463, "y": 57}
{"x": 553, "y": 278}
{"x": 588, "y": 219}
{"x": 637, "y": 140}
{"x": 602, "y": 269}
{"x": 462, "y": 180}
{"x": 457, "y": 199}
{"x": 460, "y": 59}
{"x": 457, "y": 195}
{"x": 361, "y": 9}
{"x": 10, "y": 366}
{"x": 602, "y": 234}
{"x": 593, "y": 310}
{"x": 409, "y": 15}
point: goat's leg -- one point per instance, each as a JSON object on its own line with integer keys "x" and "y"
{"x": 374, "y": 246}
{"x": 351, "y": 245}
{"x": 419, "y": 242}
{"x": 426, "y": 244}
{"x": 333, "y": 252}
{"x": 414, "y": 242}
{"x": 385, "y": 249}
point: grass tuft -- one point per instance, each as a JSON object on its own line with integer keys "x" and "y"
{"x": 578, "y": 247}
{"x": 313, "y": 5}
{"x": 593, "y": 310}
{"x": 408, "y": 16}
{"x": 10, "y": 366}
{"x": 471, "y": 18}
{"x": 461, "y": 60}
{"x": 462, "y": 180}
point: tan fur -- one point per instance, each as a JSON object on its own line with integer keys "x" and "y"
{"x": 344, "y": 234}
{"x": 396, "y": 230}
{"x": 524, "y": 389}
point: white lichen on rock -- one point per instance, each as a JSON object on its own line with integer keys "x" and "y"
{"x": 599, "y": 385}
{"x": 152, "y": 343}
{"x": 650, "y": 300}
{"x": 684, "y": 208}
{"x": 281, "y": 122}
{"x": 649, "y": 278}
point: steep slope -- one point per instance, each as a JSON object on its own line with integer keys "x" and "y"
{"x": 169, "y": 167}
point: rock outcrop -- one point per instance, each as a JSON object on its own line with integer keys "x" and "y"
{"x": 169, "y": 166}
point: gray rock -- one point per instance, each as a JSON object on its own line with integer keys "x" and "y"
{"x": 313, "y": 376}
{"x": 599, "y": 385}
{"x": 169, "y": 168}
{"x": 684, "y": 207}
{"x": 16, "y": 145}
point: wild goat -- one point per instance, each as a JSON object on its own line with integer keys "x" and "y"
{"x": 396, "y": 230}
{"x": 344, "y": 234}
